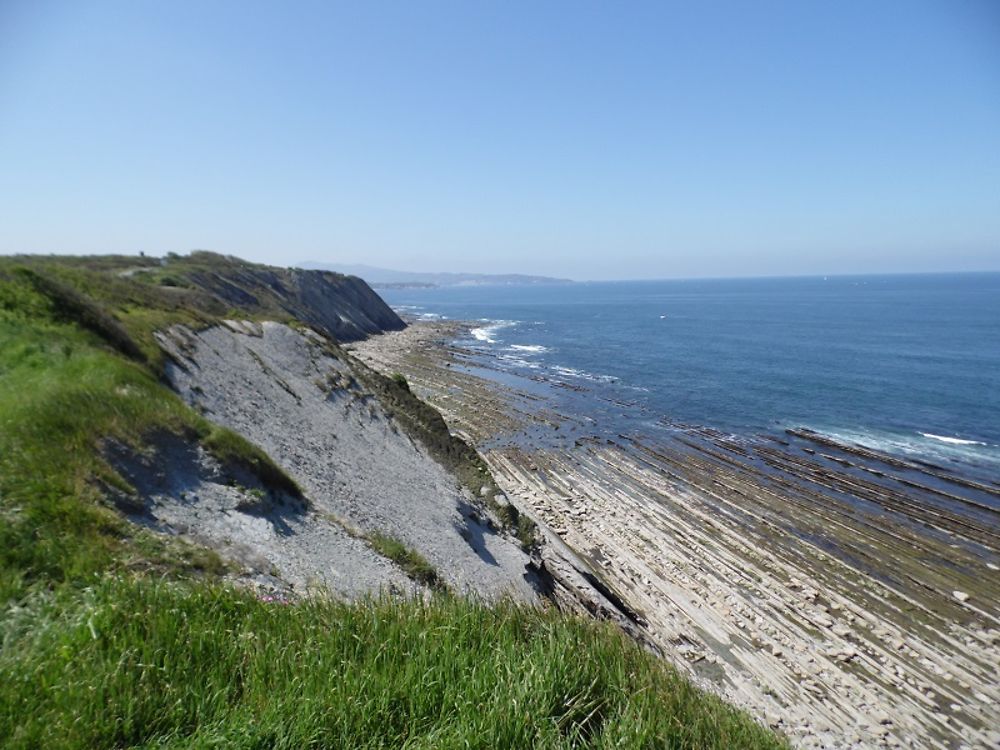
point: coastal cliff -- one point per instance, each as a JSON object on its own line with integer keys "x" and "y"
{"x": 343, "y": 307}
{"x": 327, "y": 457}
{"x": 217, "y": 519}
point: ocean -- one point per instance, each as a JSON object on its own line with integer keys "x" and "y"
{"x": 905, "y": 364}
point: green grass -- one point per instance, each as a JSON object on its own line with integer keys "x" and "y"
{"x": 124, "y": 311}
{"x": 64, "y": 388}
{"x": 412, "y": 562}
{"x": 142, "y": 664}
{"x": 60, "y": 393}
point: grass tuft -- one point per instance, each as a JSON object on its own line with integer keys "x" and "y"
{"x": 412, "y": 562}
{"x": 230, "y": 447}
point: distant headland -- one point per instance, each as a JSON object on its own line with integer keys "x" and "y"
{"x": 388, "y": 278}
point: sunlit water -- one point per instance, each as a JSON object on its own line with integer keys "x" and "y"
{"x": 907, "y": 364}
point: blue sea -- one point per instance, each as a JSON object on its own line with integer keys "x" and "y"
{"x": 907, "y": 364}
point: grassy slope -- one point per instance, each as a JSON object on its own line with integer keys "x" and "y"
{"x": 61, "y": 390}
{"x": 169, "y": 666}
{"x": 98, "y": 651}
{"x": 64, "y": 388}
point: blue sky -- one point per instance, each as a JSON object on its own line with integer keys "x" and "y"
{"x": 590, "y": 140}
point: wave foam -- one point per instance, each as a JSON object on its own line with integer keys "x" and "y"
{"x": 951, "y": 440}
{"x": 530, "y": 348}
{"x": 926, "y": 446}
{"x": 487, "y": 334}
{"x": 519, "y": 362}
{"x": 571, "y": 372}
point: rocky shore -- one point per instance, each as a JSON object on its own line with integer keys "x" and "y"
{"x": 849, "y": 599}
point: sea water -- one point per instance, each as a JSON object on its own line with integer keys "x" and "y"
{"x": 907, "y": 364}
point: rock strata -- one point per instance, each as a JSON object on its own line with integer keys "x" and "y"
{"x": 848, "y": 601}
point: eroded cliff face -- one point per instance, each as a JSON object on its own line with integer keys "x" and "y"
{"x": 299, "y": 399}
{"x": 343, "y": 307}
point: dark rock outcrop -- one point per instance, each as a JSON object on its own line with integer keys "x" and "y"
{"x": 343, "y": 307}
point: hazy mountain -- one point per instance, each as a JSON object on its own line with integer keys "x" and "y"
{"x": 387, "y": 277}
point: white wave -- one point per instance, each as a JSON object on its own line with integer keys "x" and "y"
{"x": 531, "y": 348}
{"x": 951, "y": 440}
{"x": 487, "y": 334}
{"x": 571, "y": 372}
{"x": 430, "y": 316}
{"x": 519, "y": 362}
{"x": 933, "y": 447}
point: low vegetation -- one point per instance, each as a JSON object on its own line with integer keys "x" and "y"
{"x": 412, "y": 562}
{"x": 231, "y": 448}
{"x": 424, "y": 422}
{"x": 64, "y": 389}
{"x": 61, "y": 392}
{"x": 147, "y": 664}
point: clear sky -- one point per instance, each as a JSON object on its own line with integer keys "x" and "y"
{"x": 590, "y": 140}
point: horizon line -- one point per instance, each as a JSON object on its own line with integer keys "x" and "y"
{"x": 557, "y": 279}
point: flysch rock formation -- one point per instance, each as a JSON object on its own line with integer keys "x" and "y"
{"x": 847, "y": 602}
{"x": 343, "y": 307}
{"x": 292, "y": 394}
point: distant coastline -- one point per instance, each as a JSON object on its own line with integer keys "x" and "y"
{"x": 386, "y": 278}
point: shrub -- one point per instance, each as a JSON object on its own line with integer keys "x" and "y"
{"x": 400, "y": 379}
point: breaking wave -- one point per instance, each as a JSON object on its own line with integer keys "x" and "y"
{"x": 951, "y": 440}
{"x": 921, "y": 445}
{"x": 487, "y": 334}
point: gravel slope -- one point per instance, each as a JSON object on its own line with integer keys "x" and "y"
{"x": 283, "y": 549}
{"x": 294, "y": 397}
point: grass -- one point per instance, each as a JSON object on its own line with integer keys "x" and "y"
{"x": 126, "y": 310}
{"x": 144, "y": 664}
{"x": 400, "y": 379}
{"x": 123, "y": 311}
{"x": 412, "y": 562}
{"x": 60, "y": 392}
